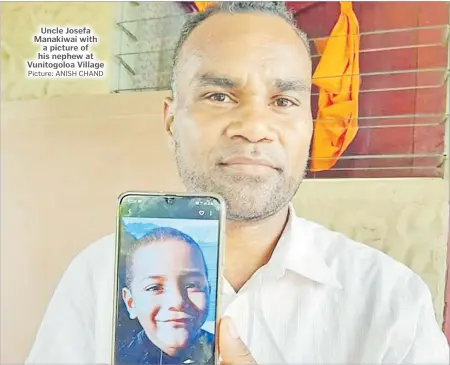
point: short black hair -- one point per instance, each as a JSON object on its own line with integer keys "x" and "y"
{"x": 159, "y": 234}
{"x": 275, "y": 8}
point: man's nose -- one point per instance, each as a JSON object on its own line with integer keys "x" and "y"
{"x": 252, "y": 123}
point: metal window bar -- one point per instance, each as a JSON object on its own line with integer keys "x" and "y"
{"x": 424, "y": 79}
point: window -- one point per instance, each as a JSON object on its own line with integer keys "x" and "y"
{"x": 403, "y": 95}
{"x": 146, "y": 36}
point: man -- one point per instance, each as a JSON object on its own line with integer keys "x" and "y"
{"x": 294, "y": 292}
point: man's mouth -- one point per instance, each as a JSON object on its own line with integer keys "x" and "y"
{"x": 248, "y": 161}
{"x": 250, "y": 166}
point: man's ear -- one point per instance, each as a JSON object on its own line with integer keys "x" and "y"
{"x": 129, "y": 302}
{"x": 168, "y": 118}
{"x": 168, "y": 114}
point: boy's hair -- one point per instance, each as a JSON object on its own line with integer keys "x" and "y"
{"x": 159, "y": 234}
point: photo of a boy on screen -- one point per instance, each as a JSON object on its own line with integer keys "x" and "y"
{"x": 167, "y": 291}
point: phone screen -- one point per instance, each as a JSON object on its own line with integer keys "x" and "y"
{"x": 167, "y": 275}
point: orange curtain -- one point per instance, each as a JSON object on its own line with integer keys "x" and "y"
{"x": 202, "y": 5}
{"x": 337, "y": 77}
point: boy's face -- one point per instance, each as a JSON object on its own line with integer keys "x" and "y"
{"x": 169, "y": 293}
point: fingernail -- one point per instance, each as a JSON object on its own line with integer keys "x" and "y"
{"x": 232, "y": 331}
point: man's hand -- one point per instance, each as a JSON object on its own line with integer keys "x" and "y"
{"x": 231, "y": 348}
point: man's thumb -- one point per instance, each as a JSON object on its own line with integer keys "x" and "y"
{"x": 231, "y": 348}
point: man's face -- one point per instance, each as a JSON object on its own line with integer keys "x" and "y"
{"x": 241, "y": 119}
{"x": 169, "y": 293}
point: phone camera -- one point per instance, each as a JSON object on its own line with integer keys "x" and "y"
{"x": 170, "y": 201}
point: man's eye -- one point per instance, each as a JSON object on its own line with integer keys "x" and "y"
{"x": 283, "y": 103}
{"x": 219, "y": 97}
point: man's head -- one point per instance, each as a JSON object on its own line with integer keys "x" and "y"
{"x": 240, "y": 118}
{"x": 167, "y": 288}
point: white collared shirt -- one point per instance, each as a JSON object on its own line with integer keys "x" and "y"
{"x": 321, "y": 299}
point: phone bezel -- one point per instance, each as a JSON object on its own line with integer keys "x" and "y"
{"x": 221, "y": 258}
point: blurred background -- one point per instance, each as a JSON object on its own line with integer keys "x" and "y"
{"x": 70, "y": 147}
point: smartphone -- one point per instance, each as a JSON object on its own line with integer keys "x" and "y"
{"x": 168, "y": 269}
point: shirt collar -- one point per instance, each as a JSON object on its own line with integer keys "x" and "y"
{"x": 296, "y": 252}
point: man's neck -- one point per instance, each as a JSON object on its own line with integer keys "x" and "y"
{"x": 249, "y": 246}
